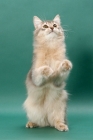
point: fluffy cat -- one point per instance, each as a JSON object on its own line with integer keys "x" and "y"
{"x": 46, "y": 101}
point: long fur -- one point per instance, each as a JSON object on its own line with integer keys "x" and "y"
{"x": 46, "y": 101}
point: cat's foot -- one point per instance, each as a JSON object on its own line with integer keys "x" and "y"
{"x": 30, "y": 125}
{"x": 65, "y": 66}
{"x": 42, "y": 75}
{"x": 61, "y": 126}
{"x": 46, "y": 71}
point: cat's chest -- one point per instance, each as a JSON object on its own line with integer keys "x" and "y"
{"x": 52, "y": 59}
{"x": 50, "y": 56}
{"x": 52, "y": 63}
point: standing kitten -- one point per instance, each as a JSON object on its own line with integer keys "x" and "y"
{"x": 46, "y": 101}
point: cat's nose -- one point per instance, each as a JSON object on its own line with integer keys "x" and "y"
{"x": 51, "y": 28}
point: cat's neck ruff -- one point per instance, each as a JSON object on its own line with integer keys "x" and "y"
{"x": 48, "y": 42}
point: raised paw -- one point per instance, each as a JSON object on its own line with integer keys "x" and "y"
{"x": 66, "y": 66}
{"x": 46, "y": 71}
{"x": 41, "y": 75}
{"x": 30, "y": 125}
{"x": 61, "y": 126}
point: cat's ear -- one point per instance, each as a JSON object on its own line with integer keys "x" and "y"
{"x": 37, "y": 21}
{"x": 57, "y": 19}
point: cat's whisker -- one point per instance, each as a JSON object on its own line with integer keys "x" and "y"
{"x": 65, "y": 30}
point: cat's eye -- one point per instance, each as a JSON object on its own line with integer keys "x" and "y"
{"x": 54, "y": 25}
{"x": 45, "y": 26}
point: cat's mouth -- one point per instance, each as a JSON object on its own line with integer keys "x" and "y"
{"x": 52, "y": 31}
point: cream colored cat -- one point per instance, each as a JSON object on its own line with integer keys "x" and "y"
{"x": 46, "y": 101}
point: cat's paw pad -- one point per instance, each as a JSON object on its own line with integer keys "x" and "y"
{"x": 61, "y": 127}
{"x": 66, "y": 65}
{"x": 30, "y": 125}
{"x": 47, "y": 71}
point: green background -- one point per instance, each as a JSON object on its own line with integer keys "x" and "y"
{"x": 16, "y": 39}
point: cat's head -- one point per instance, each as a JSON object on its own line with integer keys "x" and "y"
{"x": 48, "y": 29}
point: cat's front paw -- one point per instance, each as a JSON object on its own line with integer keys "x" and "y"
{"x": 46, "y": 71}
{"x": 41, "y": 75}
{"x": 65, "y": 66}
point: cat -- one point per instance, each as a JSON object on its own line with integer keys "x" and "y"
{"x": 46, "y": 101}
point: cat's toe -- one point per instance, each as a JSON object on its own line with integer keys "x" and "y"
{"x": 61, "y": 127}
{"x": 66, "y": 65}
{"x": 30, "y": 125}
{"x": 47, "y": 71}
